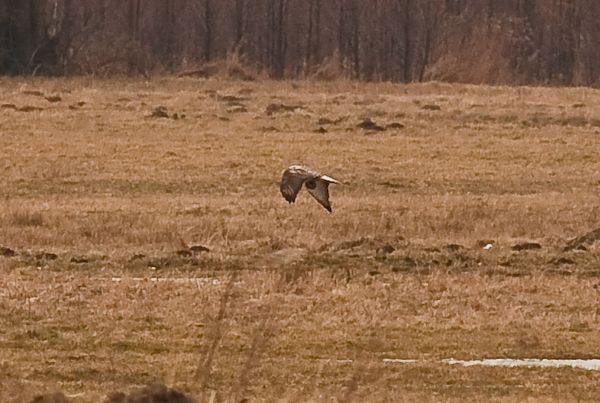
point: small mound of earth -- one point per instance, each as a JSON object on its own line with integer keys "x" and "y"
{"x": 404, "y": 264}
{"x": 199, "y": 249}
{"x": 583, "y": 241}
{"x": 183, "y": 253}
{"x": 232, "y": 100}
{"x": 526, "y": 246}
{"x": 53, "y": 98}
{"x": 325, "y": 121}
{"x": 159, "y": 112}
{"x": 386, "y": 249}
{"x": 151, "y": 394}
{"x": 562, "y": 261}
{"x": 56, "y": 397}
{"x": 7, "y": 252}
{"x": 34, "y": 93}
{"x": 237, "y": 109}
{"x": 28, "y": 108}
{"x": 394, "y": 125}
{"x": 192, "y": 250}
{"x": 277, "y": 108}
{"x": 46, "y": 256}
{"x": 368, "y": 124}
{"x": 79, "y": 259}
{"x": 453, "y": 247}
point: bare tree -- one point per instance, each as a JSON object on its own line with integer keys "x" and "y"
{"x": 525, "y": 41}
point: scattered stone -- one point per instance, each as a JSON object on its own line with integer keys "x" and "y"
{"x": 526, "y": 246}
{"x": 277, "y": 108}
{"x": 7, "y": 252}
{"x": 485, "y": 242}
{"x": 53, "y": 98}
{"x": 159, "y": 112}
{"x": 368, "y": 124}
{"x": 199, "y": 249}
{"x": 431, "y": 107}
{"x": 488, "y": 246}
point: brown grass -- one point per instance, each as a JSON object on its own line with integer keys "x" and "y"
{"x": 397, "y": 271}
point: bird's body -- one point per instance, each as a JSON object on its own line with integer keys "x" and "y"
{"x": 316, "y": 184}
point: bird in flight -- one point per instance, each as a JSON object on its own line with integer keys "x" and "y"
{"x": 316, "y": 184}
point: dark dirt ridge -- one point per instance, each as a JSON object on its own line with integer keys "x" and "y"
{"x": 156, "y": 393}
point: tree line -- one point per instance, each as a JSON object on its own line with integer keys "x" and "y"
{"x": 483, "y": 41}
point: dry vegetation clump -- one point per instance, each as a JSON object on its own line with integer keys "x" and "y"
{"x": 138, "y": 250}
{"x": 330, "y": 69}
{"x": 230, "y": 67}
{"x": 26, "y": 218}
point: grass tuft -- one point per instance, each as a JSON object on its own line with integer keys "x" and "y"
{"x": 26, "y": 218}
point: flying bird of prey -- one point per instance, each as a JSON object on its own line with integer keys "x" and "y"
{"x": 316, "y": 184}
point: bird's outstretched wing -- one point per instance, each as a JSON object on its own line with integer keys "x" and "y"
{"x": 292, "y": 180}
{"x": 316, "y": 184}
{"x": 320, "y": 191}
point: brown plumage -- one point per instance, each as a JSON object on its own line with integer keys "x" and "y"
{"x": 316, "y": 184}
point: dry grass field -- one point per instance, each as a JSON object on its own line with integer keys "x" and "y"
{"x": 101, "y": 204}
